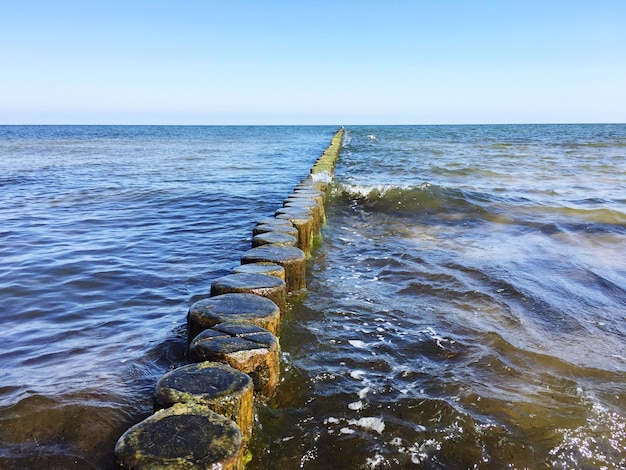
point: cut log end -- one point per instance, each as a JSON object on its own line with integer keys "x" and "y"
{"x": 181, "y": 437}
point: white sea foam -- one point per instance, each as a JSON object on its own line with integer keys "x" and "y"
{"x": 379, "y": 190}
{"x": 585, "y": 446}
{"x": 421, "y": 451}
{"x": 438, "y": 338}
{"x": 323, "y": 176}
{"x": 370, "y": 422}
{"x": 357, "y": 374}
{"x": 375, "y": 462}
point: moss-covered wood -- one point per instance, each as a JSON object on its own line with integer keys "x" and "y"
{"x": 292, "y": 259}
{"x": 274, "y": 238}
{"x": 252, "y": 308}
{"x": 244, "y": 346}
{"x": 181, "y": 437}
{"x": 311, "y": 205}
{"x": 270, "y": 287}
{"x": 218, "y": 386}
{"x": 271, "y": 269}
{"x": 303, "y": 220}
{"x": 275, "y": 222}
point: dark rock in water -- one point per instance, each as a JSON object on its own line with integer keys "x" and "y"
{"x": 550, "y": 229}
{"x": 181, "y": 437}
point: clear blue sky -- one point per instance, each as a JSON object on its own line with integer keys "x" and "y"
{"x": 316, "y": 62}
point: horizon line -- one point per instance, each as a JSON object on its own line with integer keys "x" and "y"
{"x": 325, "y": 125}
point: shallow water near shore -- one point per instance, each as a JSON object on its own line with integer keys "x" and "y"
{"x": 109, "y": 234}
{"x": 466, "y": 307}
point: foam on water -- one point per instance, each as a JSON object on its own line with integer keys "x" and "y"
{"x": 468, "y": 296}
{"x": 599, "y": 443}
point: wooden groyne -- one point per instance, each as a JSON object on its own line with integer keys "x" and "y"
{"x": 204, "y": 410}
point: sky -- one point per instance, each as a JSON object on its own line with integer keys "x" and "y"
{"x": 318, "y": 62}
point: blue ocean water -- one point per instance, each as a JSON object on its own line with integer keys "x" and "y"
{"x": 465, "y": 307}
{"x": 108, "y": 234}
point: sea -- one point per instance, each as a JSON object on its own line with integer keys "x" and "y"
{"x": 465, "y": 304}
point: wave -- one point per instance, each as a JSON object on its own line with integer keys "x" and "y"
{"x": 421, "y": 199}
{"x": 453, "y": 204}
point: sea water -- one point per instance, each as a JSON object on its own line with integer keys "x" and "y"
{"x": 466, "y": 306}
{"x": 108, "y": 234}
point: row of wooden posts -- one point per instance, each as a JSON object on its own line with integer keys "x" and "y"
{"x": 204, "y": 410}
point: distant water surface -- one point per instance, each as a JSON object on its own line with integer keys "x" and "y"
{"x": 107, "y": 235}
{"x": 466, "y": 308}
